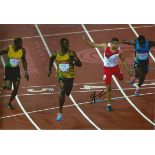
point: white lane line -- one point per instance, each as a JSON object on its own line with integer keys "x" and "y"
{"x": 70, "y": 105}
{"x": 21, "y": 106}
{"x": 145, "y": 80}
{"x": 80, "y": 91}
{"x": 39, "y": 86}
{"x": 134, "y": 31}
{"x": 77, "y": 32}
{"x": 118, "y": 85}
{"x": 77, "y": 106}
{"x": 75, "y": 84}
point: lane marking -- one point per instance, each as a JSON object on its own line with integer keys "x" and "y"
{"x": 21, "y": 106}
{"x": 42, "y": 90}
{"x": 77, "y": 32}
{"x": 145, "y": 80}
{"x": 87, "y": 87}
{"x": 71, "y": 105}
{"x": 75, "y": 84}
{"x": 39, "y": 86}
{"x": 80, "y": 91}
{"x": 70, "y": 96}
{"x": 118, "y": 85}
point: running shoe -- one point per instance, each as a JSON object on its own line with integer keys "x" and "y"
{"x": 109, "y": 107}
{"x": 59, "y": 117}
{"x": 10, "y": 106}
{"x": 137, "y": 92}
{"x": 137, "y": 89}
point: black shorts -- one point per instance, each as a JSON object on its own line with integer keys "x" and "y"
{"x": 12, "y": 74}
{"x": 68, "y": 84}
{"x": 142, "y": 65}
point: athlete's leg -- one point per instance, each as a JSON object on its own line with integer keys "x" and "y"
{"x": 142, "y": 76}
{"x": 7, "y": 84}
{"x": 7, "y": 79}
{"x": 68, "y": 86}
{"x": 108, "y": 90}
{"x": 138, "y": 74}
{"x": 62, "y": 95}
{"x": 107, "y": 79}
{"x": 117, "y": 72}
{"x": 14, "y": 92}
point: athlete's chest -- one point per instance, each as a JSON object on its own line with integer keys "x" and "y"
{"x": 111, "y": 54}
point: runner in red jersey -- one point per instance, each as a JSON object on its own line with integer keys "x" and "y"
{"x": 112, "y": 52}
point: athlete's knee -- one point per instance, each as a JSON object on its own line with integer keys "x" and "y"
{"x": 62, "y": 92}
{"x": 68, "y": 93}
{"x": 108, "y": 87}
{"x": 15, "y": 90}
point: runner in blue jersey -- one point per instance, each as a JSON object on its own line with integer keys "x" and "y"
{"x": 141, "y": 61}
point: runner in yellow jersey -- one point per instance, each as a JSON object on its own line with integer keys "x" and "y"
{"x": 14, "y": 53}
{"x": 65, "y": 60}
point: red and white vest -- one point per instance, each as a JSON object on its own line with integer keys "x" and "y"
{"x": 111, "y": 58}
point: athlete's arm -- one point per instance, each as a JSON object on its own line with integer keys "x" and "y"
{"x": 122, "y": 57}
{"x": 51, "y": 61}
{"x": 4, "y": 51}
{"x": 103, "y": 45}
{"x": 24, "y": 62}
{"x": 75, "y": 60}
{"x": 128, "y": 42}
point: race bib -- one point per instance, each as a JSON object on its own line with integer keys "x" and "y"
{"x": 64, "y": 67}
{"x": 113, "y": 60}
{"x": 14, "y": 62}
{"x": 142, "y": 56}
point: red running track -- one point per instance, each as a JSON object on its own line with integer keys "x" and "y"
{"x": 39, "y": 96}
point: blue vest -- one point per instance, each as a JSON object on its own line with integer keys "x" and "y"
{"x": 142, "y": 53}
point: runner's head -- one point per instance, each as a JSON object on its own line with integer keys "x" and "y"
{"x": 64, "y": 44}
{"x": 18, "y": 43}
{"x": 114, "y": 43}
{"x": 141, "y": 40}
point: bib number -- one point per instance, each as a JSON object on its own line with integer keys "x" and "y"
{"x": 143, "y": 56}
{"x": 64, "y": 67}
{"x": 14, "y": 62}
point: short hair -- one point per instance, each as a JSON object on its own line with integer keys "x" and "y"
{"x": 141, "y": 38}
{"x": 17, "y": 40}
{"x": 114, "y": 40}
{"x": 63, "y": 39}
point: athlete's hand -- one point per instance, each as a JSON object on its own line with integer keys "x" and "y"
{"x": 49, "y": 73}
{"x": 26, "y": 76}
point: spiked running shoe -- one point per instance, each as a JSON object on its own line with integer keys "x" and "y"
{"x": 109, "y": 107}
{"x": 59, "y": 117}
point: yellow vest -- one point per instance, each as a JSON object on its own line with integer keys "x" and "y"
{"x": 64, "y": 69}
{"x": 13, "y": 57}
